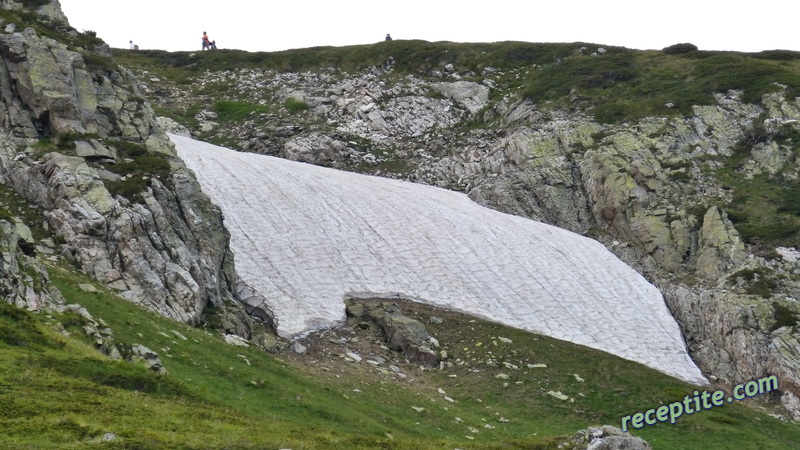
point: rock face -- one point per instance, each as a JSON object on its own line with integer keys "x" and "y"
{"x": 166, "y": 248}
{"x": 23, "y": 280}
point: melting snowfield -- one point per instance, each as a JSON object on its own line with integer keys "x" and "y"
{"x": 306, "y": 237}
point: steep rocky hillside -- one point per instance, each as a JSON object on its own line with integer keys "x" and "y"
{"x": 683, "y": 162}
{"x": 80, "y": 143}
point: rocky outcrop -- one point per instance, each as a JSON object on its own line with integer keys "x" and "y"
{"x": 166, "y": 248}
{"x": 141, "y": 354}
{"x": 401, "y": 333}
{"x": 23, "y": 280}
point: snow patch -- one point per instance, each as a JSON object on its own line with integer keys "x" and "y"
{"x": 306, "y": 236}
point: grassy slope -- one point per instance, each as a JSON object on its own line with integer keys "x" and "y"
{"x": 58, "y": 392}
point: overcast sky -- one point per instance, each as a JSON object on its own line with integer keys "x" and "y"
{"x": 271, "y": 25}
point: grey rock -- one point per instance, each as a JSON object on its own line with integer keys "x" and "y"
{"x": 605, "y": 438}
{"x": 298, "y": 348}
{"x": 270, "y": 343}
{"x": 148, "y": 357}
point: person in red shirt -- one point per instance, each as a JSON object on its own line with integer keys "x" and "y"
{"x": 207, "y": 43}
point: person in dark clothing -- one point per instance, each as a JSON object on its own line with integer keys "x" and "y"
{"x": 388, "y": 37}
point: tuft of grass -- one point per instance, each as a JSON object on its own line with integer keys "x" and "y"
{"x": 294, "y": 105}
{"x": 233, "y": 111}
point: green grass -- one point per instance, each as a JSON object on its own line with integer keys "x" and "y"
{"x": 13, "y": 206}
{"x": 136, "y": 166}
{"x": 233, "y": 111}
{"x": 57, "y": 392}
{"x": 764, "y": 209}
{"x": 295, "y": 106}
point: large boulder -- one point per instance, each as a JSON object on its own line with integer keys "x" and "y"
{"x": 402, "y": 333}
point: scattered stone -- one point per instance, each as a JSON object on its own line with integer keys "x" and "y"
{"x": 558, "y": 395}
{"x": 605, "y": 438}
{"x": 236, "y": 340}
{"x": 148, "y": 357}
{"x": 297, "y": 348}
{"x": 180, "y": 336}
{"x": 354, "y": 356}
{"x": 270, "y": 343}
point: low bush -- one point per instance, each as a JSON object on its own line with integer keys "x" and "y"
{"x": 677, "y": 49}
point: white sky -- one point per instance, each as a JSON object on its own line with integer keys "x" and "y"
{"x": 175, "y": 25}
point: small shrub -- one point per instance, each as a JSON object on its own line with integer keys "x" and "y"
{"x": 678, "y": 49}
{"x": 783, "y": 316}
{"x": 778, "y": 55}
{"x": 34, "y": 3}
{"x": 99, "y": 63}
{"x": 760, "y": 281}
{"x": 127, "y": 149}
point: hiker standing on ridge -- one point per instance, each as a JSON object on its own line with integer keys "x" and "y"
{"x": 388, "y": 38}
{"x": 208, "y": 44}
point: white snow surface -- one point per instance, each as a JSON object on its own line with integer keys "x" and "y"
{"x": 306, "y": 237}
